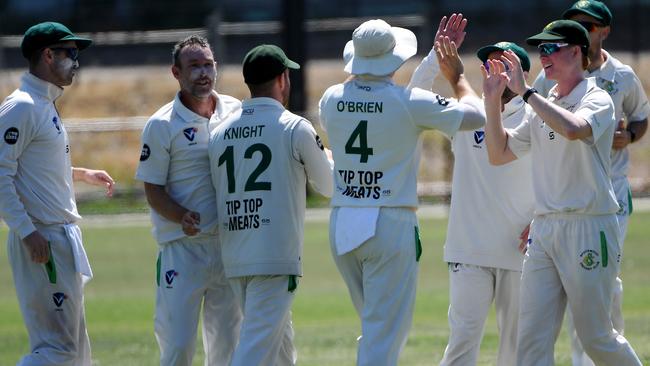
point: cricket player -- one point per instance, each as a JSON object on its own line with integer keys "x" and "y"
{"x": 261, "y": 159}
{"x": 574, "y": 254}
{"x": 495, "y": 202}
{"x": 44, "y": 244}
{"x": 631, "y": 110}
{"x": 175, "y": 169}
{"x": 374, "y": 129}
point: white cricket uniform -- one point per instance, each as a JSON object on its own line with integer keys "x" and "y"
{"x": 374, "y": 129}
{"x": 574, "y": 252}
{"x": 261, "y": 159}
{"x": 496, "y": 202}
{"x": 631, "y": 102}
{"x": 36, "y": 192}
{"x": 189, "y": 269}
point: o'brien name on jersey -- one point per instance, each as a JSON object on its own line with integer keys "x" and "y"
{"x": 243, "y": 214}
{"x": 359, "y": 107}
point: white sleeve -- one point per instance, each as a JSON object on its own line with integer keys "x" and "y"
{"x": 309, "y": 150}
{"x": 425, "y": 73}
{"x": 17, "y": 128}
{"x": 635, "y": 103}
{"x": 432, "y": 111}
{"x": 597, "y": 109}
{"x": 155, "y": 154}
{"x": 519, "y": 139}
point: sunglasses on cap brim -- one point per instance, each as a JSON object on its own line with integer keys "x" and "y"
{"x": 550, "y": 48}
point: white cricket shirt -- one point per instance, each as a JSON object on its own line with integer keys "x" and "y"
{"x": 571, "y": 176}
{"x": 261, "y": 159}
{"x": 374, "y": 129}
{"x": 35, "y": 169}
{"x": 490, "y": 205}
{"x": 630, "y": 101}
{"x": 175, "y": 155}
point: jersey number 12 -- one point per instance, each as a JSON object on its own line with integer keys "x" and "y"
{"x": 252, "y": 184}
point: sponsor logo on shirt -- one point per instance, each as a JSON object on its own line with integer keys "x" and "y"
{"x": 190, "y": 133}
{"x": 169, "y": 277}
{"x": 58, "y": 298}
{"x": 319, "y": 143}
{"x": 589, "y": 259}
{"x": 442, "y": 100}
{"x": 56, "y": 124}
{"x": 11, "y": 135}
{"x": 248, "y": 111}
{"x": 479, "y": 136}
{"x": 145, "y": 153}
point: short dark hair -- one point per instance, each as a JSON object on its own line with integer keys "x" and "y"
{"x": 191, "y": 41}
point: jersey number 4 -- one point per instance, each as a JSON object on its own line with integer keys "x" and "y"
{"x": 252, "y": 184}
{"x": 361, "y": 133}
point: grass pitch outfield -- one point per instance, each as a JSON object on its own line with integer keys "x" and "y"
{"x": 120, "y": 302}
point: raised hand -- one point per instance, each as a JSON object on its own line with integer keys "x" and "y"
{"x": 451, "y": 66}
{"x": 454, "y": 28}
{"x": 516, "y": 79}
{"x": 495, "y": 80}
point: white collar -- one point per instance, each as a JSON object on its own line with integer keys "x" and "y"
{"x": 41, "y": 87}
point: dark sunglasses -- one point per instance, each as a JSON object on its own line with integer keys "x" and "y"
{"x": 550, "y": 48}
{"x": 590, "y": 26}
{"x": 71, "y": 52}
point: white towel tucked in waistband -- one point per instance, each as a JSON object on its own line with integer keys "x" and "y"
{"x": 81, "y": 263}
{"x": 354, "y": 225}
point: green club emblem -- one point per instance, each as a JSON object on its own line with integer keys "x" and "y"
{"x": 589, "y": 259}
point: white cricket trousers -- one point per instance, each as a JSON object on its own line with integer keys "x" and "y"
{"x": 471, "y": 292}
{"x": 381, "y": 275}
{"x": 574, "y": 259}
{"x": 266, "y": 337}
{"x": 190, "y": 275}
{"x": 624, "y": 198}
{"x": 51, "y": 305}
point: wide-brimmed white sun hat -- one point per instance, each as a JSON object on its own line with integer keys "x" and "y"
{"x": 378, "y": 49}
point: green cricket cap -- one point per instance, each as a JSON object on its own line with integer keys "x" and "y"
{"x": 265, "y": 62}
{"x": 45, "y": 34}
{"x": 485, "y": 51}
{"x": 566, "y": 31}
{"x": 593, "y": 8}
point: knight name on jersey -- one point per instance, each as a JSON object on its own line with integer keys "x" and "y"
{"x": 359, "y": 107}
{"x": 361, "y": 183}
{"x": 243, "y": 214}
{"x": 243, "y": 132}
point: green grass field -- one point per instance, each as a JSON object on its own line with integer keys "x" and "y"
{"x": 120, "y": 302}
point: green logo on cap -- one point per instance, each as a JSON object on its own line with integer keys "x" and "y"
{"x": 581, "y": 4}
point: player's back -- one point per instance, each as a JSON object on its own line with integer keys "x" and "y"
{"x": 373, "y": 128}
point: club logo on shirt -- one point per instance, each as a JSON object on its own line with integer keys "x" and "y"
{"x": 169, "y": 277}
{"x": 319, "y": 143}
{"x": 454, "y": 267}
{"x": 145, "y": 153}
{"x": 589, "y": 259}
{"x": 190, "y": 133}
{"x": 56, "y": 124}
{"x": 58, "y": 298}
{"x": 442, "y": 100}
{"x": 608, "y": 86}
{"x": 11, "y": 135}
{"x": 479, "y": 136}
{"x": 247, "y": 111}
